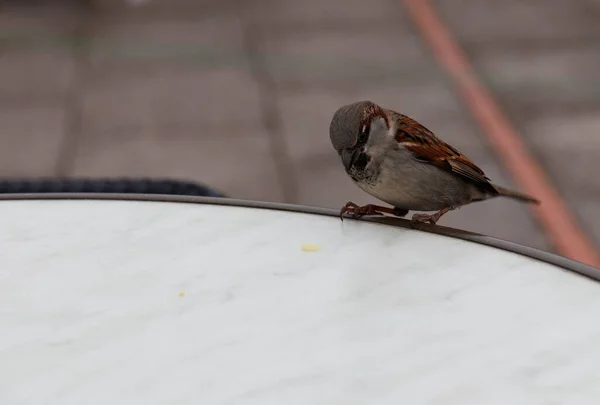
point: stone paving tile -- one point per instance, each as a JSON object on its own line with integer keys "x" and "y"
{"x": 118, "y": 100}
{"x": 161, "y": 8}
{"x": 206, "y": 41}
{"x": 569, "y": 147}
{"x": 37, "y": 19}
{"x": 286, "y": 14}
{"x": 347, "y": 58}
{"x": 239, "y": 164}
{"x": 24, "y": 75}
{"x": 35, "y": 44}
{"x": 169, "y": 73}
{"x": 322, "y": 180}
{"x": 529, "y": 81}
{"x": 476, "y": 21}
{"x": 30, "y": 140}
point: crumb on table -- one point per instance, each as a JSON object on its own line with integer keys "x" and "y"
{"x": 310, "y": 248}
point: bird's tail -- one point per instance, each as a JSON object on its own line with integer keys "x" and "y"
{"x": 504, "y": 192}
{"x": 516, "y": 195}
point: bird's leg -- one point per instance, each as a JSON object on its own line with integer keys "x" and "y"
{"x": 431, "y": 218}
{"x": 357, "y": 211}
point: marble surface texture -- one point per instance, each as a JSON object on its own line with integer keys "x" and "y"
{"x": 108, "y": 302}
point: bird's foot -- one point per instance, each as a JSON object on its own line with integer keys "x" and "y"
{"x": 357, "y": 211}
{"x": 431, "y": 218}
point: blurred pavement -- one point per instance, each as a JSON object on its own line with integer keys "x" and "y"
{"x": 239, "y": 94}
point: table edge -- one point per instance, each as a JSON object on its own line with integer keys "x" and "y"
{"x": 547, "y": 257}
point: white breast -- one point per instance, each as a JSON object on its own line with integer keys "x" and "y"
{"x": 406, "y": 183}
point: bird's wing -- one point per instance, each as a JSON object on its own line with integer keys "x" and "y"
{"x": 430, "y": 149}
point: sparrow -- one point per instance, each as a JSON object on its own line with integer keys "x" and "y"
{"x": 397, "y": 160}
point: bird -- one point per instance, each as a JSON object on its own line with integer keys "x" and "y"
{"x": 402, "y": 163}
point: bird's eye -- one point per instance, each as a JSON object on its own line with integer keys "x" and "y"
{"x": 364, "y": 134}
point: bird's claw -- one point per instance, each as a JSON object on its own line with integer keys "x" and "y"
{"x": 423, "y": 219}
{"x": 431, "y": 218}
{"x": 357, "y": 211}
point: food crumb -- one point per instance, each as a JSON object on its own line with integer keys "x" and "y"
{"x": 181, "y": 293}
{"x": 310, "y": 248}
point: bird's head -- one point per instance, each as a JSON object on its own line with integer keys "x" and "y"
{"x": 355, "y": 128}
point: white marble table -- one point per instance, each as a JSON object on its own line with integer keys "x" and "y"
{"x": 133, "y": 302}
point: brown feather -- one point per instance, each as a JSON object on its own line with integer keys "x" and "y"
{"x": 430, "y": 149}
{"x": 372, "y": 111}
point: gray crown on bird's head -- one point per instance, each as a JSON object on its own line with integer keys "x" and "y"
{"x": 346, "y": 122}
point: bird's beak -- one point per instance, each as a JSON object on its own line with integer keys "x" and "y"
{"x": 348, "y": 157}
